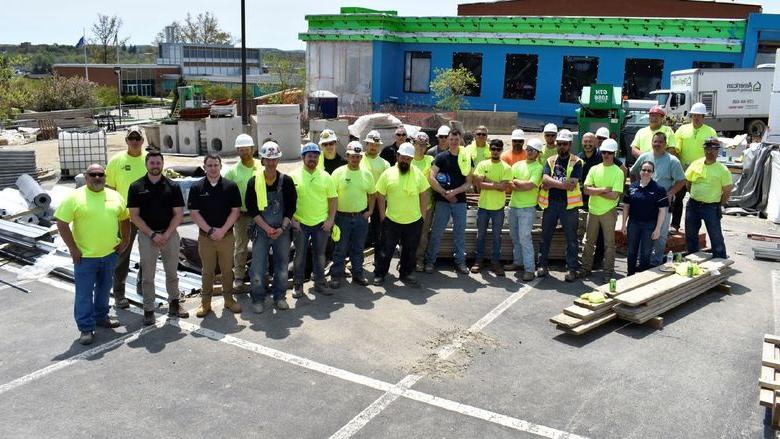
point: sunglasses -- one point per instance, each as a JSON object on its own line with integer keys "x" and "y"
{"x": 481, "y": 134}
{"x": 400, "y": 134}
{"x": 135, "y": 138}
{"x": 607, "y": 152}
{"x": 646, "y": 170}
{"x": 442, "y": 137}
{"x": 96, "y": 174}
{"x": 328, "y": 143}
{"x": 496, "y": 149}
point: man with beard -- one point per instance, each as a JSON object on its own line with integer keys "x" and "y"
{"x": 517, "y": 152}
{"x": 643, "y": 140}
{"x": 156, "y": 208}
{"x": 402, "y": 200}
{"x": 492, "y": 176}
{"x": 99, "y": 217}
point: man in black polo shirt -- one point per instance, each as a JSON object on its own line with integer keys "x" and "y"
{"x": 215, "y": 205}
{"x": 156, "y": 209}
{"x": 390, "y": 152}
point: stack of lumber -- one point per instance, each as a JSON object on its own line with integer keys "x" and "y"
{"x": 642, "y": 304}
{"x": 79, "y": 118}
{"x": 769, "y": 383}
{"x": 557, "y": 246}
{"x": 584, "y": 316}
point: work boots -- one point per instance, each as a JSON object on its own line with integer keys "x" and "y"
{"x": 204, "y": 308}
{"x": 231, "y": 304}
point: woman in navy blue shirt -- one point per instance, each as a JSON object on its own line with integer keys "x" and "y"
{"x": 644, "y": 208}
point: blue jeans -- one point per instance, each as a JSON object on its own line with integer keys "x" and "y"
{"x": 441, "y": 216}
{"x": 639, "y": 245}
{"x": 659, "y": 245}
{"x": 496, "y": 218}
{"x": 353, "y": 241}
{"x": 93, "y": 277}
{"x": 318, "y": 239}
{"x": 709, "y": 213}
{"x": 521, "y": 223}
{"x": 259, "y": 268}
{"x": 569, "y": 218}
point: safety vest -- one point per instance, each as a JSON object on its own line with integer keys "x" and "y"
{"x": 573, "y": 197}
{"x": 262, "y": 196}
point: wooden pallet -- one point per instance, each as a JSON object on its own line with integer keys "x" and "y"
{"x": 769, "y": 381}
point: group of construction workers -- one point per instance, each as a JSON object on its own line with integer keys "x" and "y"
{"x": 404, "y": 194}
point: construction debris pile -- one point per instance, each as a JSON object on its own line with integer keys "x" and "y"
{"x": 646, "y": 295}
{"x": 769, "y": 382}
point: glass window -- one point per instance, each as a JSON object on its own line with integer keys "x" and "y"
{"x": 712, "y": 65}
{"x": 520, "y": 76}
{"x": 642, "y": 76}
{"x": 417, "y": 72}
{"x": 473, "y": 63}
{"x": 578, "y": 72}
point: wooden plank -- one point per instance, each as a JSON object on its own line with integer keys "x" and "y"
{"x": 565, "y": 320}
{"x": 655, "y": 323}
{"x": 764, "y": 238}
{"x": 667, "y": 284}
{"x": 579, "y": 313}
{"x": 699, "y": 284}
{"x": 585, "y": 327}
{"x": 773, "y": 339}
{"x": 608, "y": 303}
{"x": 769, "y": 384}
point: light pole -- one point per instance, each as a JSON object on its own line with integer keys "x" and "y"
{"x": 244, "y": 106}
{"x": 118, "y": 71}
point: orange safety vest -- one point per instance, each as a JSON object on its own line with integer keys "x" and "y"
{"x": 574, "y": 196}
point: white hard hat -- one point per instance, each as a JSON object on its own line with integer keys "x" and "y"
{"x": 421, "y": 137}
{"x": 518, "y": 134}
{"x": 327, "y": 136}
{"x": 270, "y": 150}
{"x": 354, "y": 147}
{"x": 535, "y": 144}
{"x": 564, "y": 136}
{"x": 550, "y": 128}
{"x": 406, "y": 149}
{"x": 698, "y": 108}
{"x": 134, "y": 129}
{"x": 444, "y": 130}
{"x": 602, "y": 132}
{"x": 244, "y": 141}
{"x": 373, "y": 136}
{"x": 609, "y": 145}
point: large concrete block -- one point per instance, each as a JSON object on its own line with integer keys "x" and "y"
{"x": 497, "y": 122}
{"x": 281, "y": 123}
{"x": 341, "y": 127}
{"x": 189, "y": 136}
{"x": 221, "y": 133}
{"x": 169, "y": 138}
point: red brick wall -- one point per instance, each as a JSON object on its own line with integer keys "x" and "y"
{"x": 107, "y": 77}
{"x": 611, "y": 8}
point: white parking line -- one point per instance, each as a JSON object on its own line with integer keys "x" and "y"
{"x": 376, "y": 407}
{"x": 392, "y": 391}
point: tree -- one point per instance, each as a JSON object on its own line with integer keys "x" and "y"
{"x": 13, "y": 92}
{"x": 287, "y": 69}
{"x": 106, "y": 37}
{"x": 203, "y": 29}
{"x": 450, "y": 87}
{"x": 41, "y": 62}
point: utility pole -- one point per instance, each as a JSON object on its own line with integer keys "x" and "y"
{"x": 244, "y": 106}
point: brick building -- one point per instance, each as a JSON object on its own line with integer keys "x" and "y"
{"x": 137, "y": 79}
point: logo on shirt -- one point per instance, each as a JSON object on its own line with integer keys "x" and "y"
{"x": 128, "y": 168}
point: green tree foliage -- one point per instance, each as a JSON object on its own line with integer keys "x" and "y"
{"x": 203, "y": 28}
{"x": 13, "y": 93}
{"x": 105, "y": 33}
{"x": 450, "y": 87}
{"x": 287, "y": 69}
{"x": 58, "y": 93}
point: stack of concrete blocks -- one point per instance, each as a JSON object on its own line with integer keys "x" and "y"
{"x": 221, "y": 133}
{"x": 169, "y": 139}
{"x": 341, "y": 127}
{"x": 189, "y": 136}
{"x": 282, "y": 123}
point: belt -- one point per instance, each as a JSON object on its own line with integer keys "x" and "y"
{"x": 202, "y": 233}
{"x": 351, "y": 214}
{"x": 706, "y": 204}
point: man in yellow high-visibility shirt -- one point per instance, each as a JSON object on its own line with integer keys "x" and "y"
{"x": 492, "y": 176}
{"x": 643, "y": 140}
{"x": 402, "y": 200}
{"x": 689, "y": 139}
{"x": 526, "y": 179}
{"x": 240, "y": 173}
{"x": 377, "y": 165}
{"x": 550, "y": 133}
{"x": 124, "y": 169}
{"x": 478, "y": 149}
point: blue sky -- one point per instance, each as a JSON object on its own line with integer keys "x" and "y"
{"x": 269, "y": 24}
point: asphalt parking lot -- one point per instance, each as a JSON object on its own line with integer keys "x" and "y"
{"x": 462, "y": 357}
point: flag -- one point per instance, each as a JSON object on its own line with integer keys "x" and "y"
{"x": 82, "y": 42}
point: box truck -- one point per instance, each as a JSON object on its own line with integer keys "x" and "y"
{"x": 737, "y": 100}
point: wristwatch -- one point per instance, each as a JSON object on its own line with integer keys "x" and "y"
{"x": 210, "y": 232}
{"x": 153, "y": 235}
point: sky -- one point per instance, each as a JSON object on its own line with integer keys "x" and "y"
{"x": 270, "y": 24}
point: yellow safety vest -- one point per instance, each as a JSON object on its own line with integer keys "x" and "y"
{"x": 262, "y": 196}
{"x": 574, "y": 196}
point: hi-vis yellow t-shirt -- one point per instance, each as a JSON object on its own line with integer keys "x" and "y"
{"x": 94, "y": 218}
{"x": 123, "y": 170}
{"x": 604, "y": 176}
{"x": 402, "y": 192}
{"x": 524, "y": 171}
{"x": 353, "y": 188}
{"x": 491, "y": 199}
{"x": 314, "y": 189}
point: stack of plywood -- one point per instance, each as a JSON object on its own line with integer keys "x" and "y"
{"x": 642, "y": 304}
{"x": 584, "y": 316}
{"x": 769, "y": 383}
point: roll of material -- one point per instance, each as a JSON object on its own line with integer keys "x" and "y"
{"x": 32, "y": 191}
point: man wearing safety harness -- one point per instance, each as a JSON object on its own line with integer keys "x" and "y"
{"x": 315, "y": 214}
{"x": 240, "y": 173}
{"x": 270, "y": 202}
{"x": 559, "y": 197}
{"x": 709, "y": 183}
{"x": 356, "y": 193}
